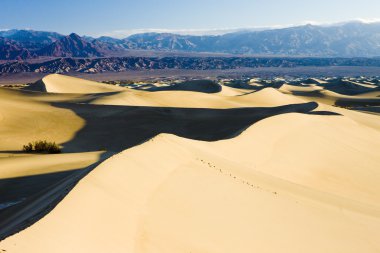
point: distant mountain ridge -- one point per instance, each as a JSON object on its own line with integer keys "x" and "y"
{"x": 353, "y": 39}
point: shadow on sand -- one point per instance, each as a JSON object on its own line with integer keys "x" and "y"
{"x": 115, "y": 128}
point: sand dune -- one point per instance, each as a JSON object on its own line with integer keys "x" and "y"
{"x": 370, "y": 94}
{"x": 327, "y": 99}
{"x": 56, "y": 83}
{"x": 24, "y": 119}
{"x": 318, "y": 81}
{"x": 228, "y": 98}
{"x": 365, "y": 85}
{"x": 228, "y": 171}
{"x": 346, "y": 87}
{"x": 210, "y": 197}
{"x": 319, "y": 94}
{"x": 251, "y": 85}
{"x": 228, "y": 91}
{"x": 345, "y": 100}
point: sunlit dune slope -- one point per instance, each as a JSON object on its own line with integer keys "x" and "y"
{"x": 24, "y": 119}
{"x": 56, "y": 83}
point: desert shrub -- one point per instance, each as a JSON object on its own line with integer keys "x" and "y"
{"x": 28, "y": 147}
{"x": 42, "y": 147}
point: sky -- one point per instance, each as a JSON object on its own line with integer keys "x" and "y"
{"x": 119, "y": 18}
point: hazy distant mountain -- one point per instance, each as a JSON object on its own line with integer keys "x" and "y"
{"x": 347, "y": 40}
{"x": 170, "y": 42}
{"x": 71, "y": 46}
{"x": 353, "y": 39}
{"x": 12, "y": 50}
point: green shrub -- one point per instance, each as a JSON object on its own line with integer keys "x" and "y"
{"x": 42, "y": 147}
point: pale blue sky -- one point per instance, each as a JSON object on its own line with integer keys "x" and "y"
{"x": 119, "y": 17}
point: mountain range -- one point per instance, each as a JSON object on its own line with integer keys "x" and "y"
{"x": 353, "y": 39}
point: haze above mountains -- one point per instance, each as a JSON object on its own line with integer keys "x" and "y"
{"x": 353, "y": 39}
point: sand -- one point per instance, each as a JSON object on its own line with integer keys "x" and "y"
{"x": 302, "y": 177}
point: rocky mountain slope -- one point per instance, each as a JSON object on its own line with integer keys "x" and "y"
{"x": 71, "y": 46}
{"x": 12, "y": 50}
{"x": 30, "y": 44}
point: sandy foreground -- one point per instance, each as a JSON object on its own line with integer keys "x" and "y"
{"x": 272, "y": 170}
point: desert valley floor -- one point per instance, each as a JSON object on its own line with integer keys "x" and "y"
{"x": 216, "y": 169}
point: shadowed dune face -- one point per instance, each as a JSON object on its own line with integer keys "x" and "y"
{"x": 32, "y": 185}
{"x": 20, "y": 188}
{"x": 115, "y": 128}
